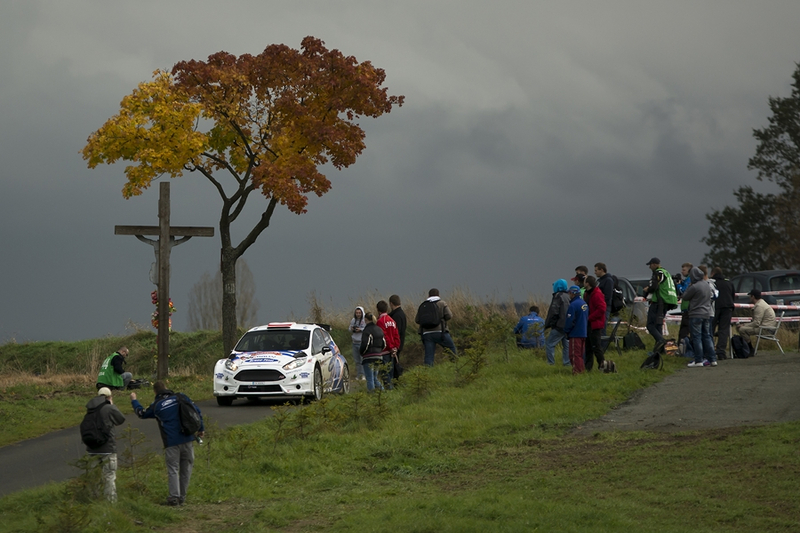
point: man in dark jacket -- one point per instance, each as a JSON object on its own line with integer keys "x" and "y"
{"x": 373, "y": 348}
{"x": 556, "y": 317}
{"x": 399, "y": 317}
{"x": 605, "y": 282}
{"x": 178, "y": 451}
{"x": 439, "y": 334}
{"x": 723, "y": 311}
{"x": 107, "y": 453}
{"x": 112, "y": 372}
{"x": 575, "y": 326}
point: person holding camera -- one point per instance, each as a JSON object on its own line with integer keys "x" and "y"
{"x": 357, "y": 325}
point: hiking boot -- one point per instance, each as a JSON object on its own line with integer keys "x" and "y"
{"x": 172, "y": 502}
{"x": 695, "y": 365}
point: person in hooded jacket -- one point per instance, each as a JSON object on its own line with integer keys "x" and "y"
{"x": 373, "y": 348}
{"x": 556, "y": 317}
{"x": 178, "y": 450}
{"x": 530, "y": 329}
{"x": 595, "y": 299}
{"x": 723, "y": 311}
{"x": 111, "y": 416}
{"x": 576, "y": 326}
{"x": 699, "y": 297}
{"x": 357, "y": 325}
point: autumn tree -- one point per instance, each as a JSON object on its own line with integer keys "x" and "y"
{"x": 246, "y": 124}
{"x": 763, "y": 232}
{"x": 205, "y": 300}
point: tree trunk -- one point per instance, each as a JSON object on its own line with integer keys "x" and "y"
{"x": 228, "y": 270}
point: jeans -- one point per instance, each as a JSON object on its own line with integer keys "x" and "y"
{"x": 655, "y": 320}
{"x": 386, "y": 371}
{"x": 702, "y": 344}
{"x": 357, "y": 360}
{"x": 180, "y": 460}
{"x": 552, "y": 341}
{"x": 430, "y": 340}
{"x": 109, "y": 475}
{"x": 371, "y": 372}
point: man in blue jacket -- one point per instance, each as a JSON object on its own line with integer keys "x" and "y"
{"x": 576, "y": 327}
{"x": 178, "y": 451}
{"x": 530, "y": 330}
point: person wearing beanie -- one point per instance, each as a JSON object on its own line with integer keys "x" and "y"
{"x": 178, "y": 450}
{"x": 110, "y": 416}
{"x": 556, "y": 317}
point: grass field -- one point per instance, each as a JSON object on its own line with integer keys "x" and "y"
{"x": 453, "y": 450}
{"x": 481, "y": 443}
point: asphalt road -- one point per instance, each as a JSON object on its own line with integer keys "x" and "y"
{"x": 739, "y": 392}
{"x": 46, "y": 459}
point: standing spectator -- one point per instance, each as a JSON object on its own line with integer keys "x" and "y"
{"x": 699, "y": 297}
{"x": 596, "y": 301}
{"x": 111, "y": 416}
{"x": 392, "y": 336}
{"x": 357, "y": 325}
{"x": 663, "y": 298}
{"x": 178, "y": 450}
{"x": 433, "y": 329}
{"x": 763, "y": 316}
{"x": 556, "y": 318}
{"x": 530, "y": 330}
{"x": 723, "y": 311}
{"x": 399, "y": 317}
{"x": 112, "y": 372}
{"x": 605, "y": 282}
{"x": 373, "y": 348}
{"x": 576, "y": 328}
{"x": 680, "y": 288}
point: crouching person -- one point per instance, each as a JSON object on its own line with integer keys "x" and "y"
{"x": 178, "y": 450}
{"x": 97, "y": 433}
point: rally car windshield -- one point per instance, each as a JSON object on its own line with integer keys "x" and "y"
{"x": 273, "y": 341}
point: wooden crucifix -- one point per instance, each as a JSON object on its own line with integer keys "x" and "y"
{"x": 162, "y": 246}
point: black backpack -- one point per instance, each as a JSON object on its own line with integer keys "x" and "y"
{"x": 741, "y": 349}
{"x": 654, "y": 361}
{"x": 617, "y": 299}
{"x": 429, "y": 315}
{"x": 191, "y": 421}
{"x": 93, "y": 432}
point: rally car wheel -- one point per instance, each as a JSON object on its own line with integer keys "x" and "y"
{"x": 224, "y": 401}
{"x": 317, "y": 384}
{"x": 345, "y": 380}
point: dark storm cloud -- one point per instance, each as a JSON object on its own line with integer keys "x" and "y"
{"x": 535, "y": 137}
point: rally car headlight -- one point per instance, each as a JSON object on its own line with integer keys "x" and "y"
{"x": 297, "y": 363}
{"x": 230, "y": 365}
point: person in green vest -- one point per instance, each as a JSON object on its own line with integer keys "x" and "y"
{"x": 112, "y": 371}
{"x": 662, "y": 298}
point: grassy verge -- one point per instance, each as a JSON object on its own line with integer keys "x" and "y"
{"x": 453, "y": 449}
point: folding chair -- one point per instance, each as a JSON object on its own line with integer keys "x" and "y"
{"x": 764, "y": 333}
{"x": 605, "y": 340}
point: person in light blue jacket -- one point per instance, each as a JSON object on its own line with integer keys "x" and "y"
{"x": 530, "y": 330}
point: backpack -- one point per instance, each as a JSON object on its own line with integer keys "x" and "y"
{"x": 93, "y": 431}
{"x": 191, "y": 421}
{"x": 741, "y": 350}
{"x": 429, "y": 315}
{"x": 632, "y": 341}
{"x": 653, "y": 361}
{"x": 617, "y": 299}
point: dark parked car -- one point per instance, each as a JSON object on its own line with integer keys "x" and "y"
{"x": 770, "y": 281}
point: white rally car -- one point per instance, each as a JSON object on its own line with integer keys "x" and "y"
{"x": 282, "y": 359}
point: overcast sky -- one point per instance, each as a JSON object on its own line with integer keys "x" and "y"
{"x": 535, "y": 136}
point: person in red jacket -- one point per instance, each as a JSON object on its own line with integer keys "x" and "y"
{"x": 597, "y": 322}
{"x": 392, "y": 336}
